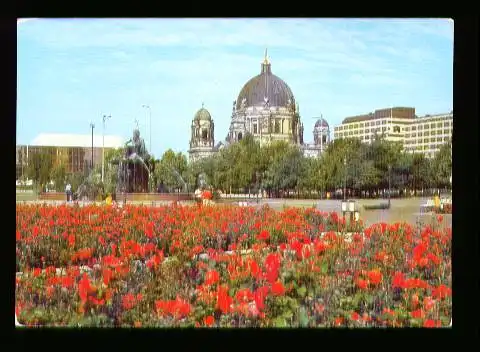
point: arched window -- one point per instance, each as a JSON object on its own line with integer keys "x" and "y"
{"x": 240, "y": 136}
{"x": 396, "y": 129}
{"x": 204, "y": 133}
{"x": 277, "y": 126}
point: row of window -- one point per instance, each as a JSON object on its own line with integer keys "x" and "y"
{"x": 276, "y": 127}
{"x": 427, "y": 140}
{"x": 426, "y": 126}
{"x": 414, "y": 127}
{"x": 428, "y": 133}
{"x": 361, "y": 125}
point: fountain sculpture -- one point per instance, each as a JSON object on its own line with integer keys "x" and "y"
{"x": 135, "y": 169}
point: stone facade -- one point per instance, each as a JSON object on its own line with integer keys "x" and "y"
{"x": 265, "y": 109}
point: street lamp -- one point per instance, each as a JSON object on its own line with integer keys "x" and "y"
{"x": 150, "y": 127}
{"x": 92, "y": 126}
{"x": 105, "y": 118}
{"x": 345, "y": 179}
{"x": 389, "y": 183}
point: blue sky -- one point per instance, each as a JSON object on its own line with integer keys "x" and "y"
{"x": 72, "y": 71}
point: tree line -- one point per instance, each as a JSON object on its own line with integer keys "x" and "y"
{"x": 277, "y": 168}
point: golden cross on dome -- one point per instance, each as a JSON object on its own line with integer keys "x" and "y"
{"x": 265, "y": 60}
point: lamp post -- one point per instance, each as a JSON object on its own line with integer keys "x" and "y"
{"x": 105, "y": 118}
{"x": 389, "y": 183}
{"x": 257, "y": 176}
{"x": 92, "y": 126}
{"x": 345, "y": 179}
{"x": 150, "y": 127}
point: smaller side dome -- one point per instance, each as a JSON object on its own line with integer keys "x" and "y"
{"x": 321, "y": 122}
{"x": 203, "y": 114}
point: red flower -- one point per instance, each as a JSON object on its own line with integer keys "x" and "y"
{"x": 428, "y": 303}
{"x": 338, "y": 321}
{"x": 429, "y": 323}
{"x": 398, "y": 279}
{"x": 278, "y": 289}
{"x": 224, "y": 301}
{"x": 128, "y": 301}
{"x": 417, "y": 314}
{"x": 263, "y": 235}
{"x": 209, "y": 320}
{"x": 441, "y": 291}
{"x": 71, "y": 240}
{"x": 362, "y": 284}
{"x": 244, "y": 295}
{"x": 355, "y": 316}
{"x": 259, "y": 297}
{"x": 212, "y": 277}
{"x": 375, "y": 276}
{"x": 107, "y": 276}
{"x": 37, "y": 272}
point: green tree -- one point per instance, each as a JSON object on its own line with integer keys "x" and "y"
{"x": 171, "y": 169}
{"x": 58, "y": 176}
{"x": 442, "y": 165}
{"x": 40, "y": 166}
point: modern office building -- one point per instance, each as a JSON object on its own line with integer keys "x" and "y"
{"x": 75, "y": 149}
{"x": 427, "y": 133}
{"x": 390, "y": 123}
{"x": 417, "y": 134}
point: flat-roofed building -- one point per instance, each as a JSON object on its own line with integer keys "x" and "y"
{"x": 417, "y": 134}
{"x": 428, "y": 133}
{"x": 388, "y": 122}
{"x": 75, "y": 149}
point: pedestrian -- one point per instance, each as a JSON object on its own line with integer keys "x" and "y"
{"x": 68, "y": 191}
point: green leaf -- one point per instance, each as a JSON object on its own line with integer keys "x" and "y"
{"x": 280, "y": 322}
{"x": 324, "y": 268}
{"x": 302, "y": 291}
{"x": 303, "y": 317}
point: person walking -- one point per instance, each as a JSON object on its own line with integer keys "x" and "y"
{"x": 68, "y": 191}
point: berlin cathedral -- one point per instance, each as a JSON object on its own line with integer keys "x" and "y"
{"x": 266, "y": 109}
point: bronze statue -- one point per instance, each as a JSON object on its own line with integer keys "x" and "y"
{"x": 136, "y": 166}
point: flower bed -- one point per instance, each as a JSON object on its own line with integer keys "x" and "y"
{"x": 226, "y": 266}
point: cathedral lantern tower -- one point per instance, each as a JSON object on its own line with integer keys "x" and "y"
{"x": 321, "y": 134}
{"x": 202, "y": 136}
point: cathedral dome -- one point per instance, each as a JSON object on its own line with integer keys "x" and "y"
{"x": 321, "y": 122}
{"x": 265, "y": 85}
{"x": 203, "y": 115}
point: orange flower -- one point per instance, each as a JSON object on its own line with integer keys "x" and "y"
{"x": 137, "y": 324}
